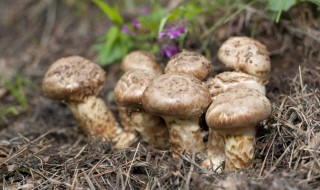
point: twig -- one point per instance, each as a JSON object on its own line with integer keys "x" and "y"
{"x": 86, "y": 177}
{"x": 24, "y": 148}
{"x": 187, "y": 185}
{"x": 278, "y": 161}
{"x": 134, "y": 156}
{"x": 265, "y": 158}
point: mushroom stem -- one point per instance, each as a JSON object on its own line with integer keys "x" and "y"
{"x": 96, "y": 119}
{"x": 151, "y": 128}
{"x": 239, "y": 147}
{"x": 185, "y": 135}
{"x": 215, "y": 152}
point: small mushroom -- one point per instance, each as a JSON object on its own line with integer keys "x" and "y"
{"x": 217, "y": 85}
{"x": 136, "y": 60}
{"x": 140, "y": 60}
{"x": 247, "y": 55}
{"x": 191, "y": 63}
{"x": 78, "y": 83}
{"x": 234, "y": 115}
{"x": 128, "y": 93}
{"x": 179, "y": 99}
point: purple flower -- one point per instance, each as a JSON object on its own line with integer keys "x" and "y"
{"x": 173, "y": 31}
{"x": 162, "y": 34}
{"x": 125, "y": 30}
{"x": 170, "y": 51}
{"x": 135, "y": 24}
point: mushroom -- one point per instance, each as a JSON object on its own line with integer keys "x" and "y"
{"x": 234, "y": 115}
{"x": 191, "y": 63}
{"x": 128, "y": 93}
{"x": 217, "y": 85}
{"x": 140, "y": 60}
{"x": 247, "y": 55}
{"x": 233, "y": 79}
{"x": 136, "y": 60}
{"x": 77, "y": 82}
{"x": 179, "y": 99}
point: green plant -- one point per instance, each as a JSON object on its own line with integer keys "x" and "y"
{"x": 16, "y": 89}
{"x": 278, "y": 6}
{"x": 164, "y": 32}
{"x": 114, "y": 44}
{"x": 154, "y": 32}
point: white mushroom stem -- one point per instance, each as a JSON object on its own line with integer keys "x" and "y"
{"x": 185, "y": 135}
{"x": 151, "y": 128}
{"x": 239, "y": 147}
{"x": 215, "y": 152}
{"x": 96, "y": 119}
{"x": 125, "y": 119}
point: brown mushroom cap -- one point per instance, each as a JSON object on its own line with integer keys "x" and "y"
{"x": 178, "y": 95}
{"x": 247, "y": 55}
{"x": 129, "y": 89}
{"x": 237, "y": 108}
{"x": 140, "y": 60}
{"x": 73, "y": 78}
{"x": 226, "y": 80}
{"x": 191, "y": 63}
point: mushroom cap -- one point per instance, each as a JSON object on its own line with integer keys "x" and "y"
{"x": 237, "y": 108}
{"x": 73, "y": 78}
{"x": 247, "y": 55}
{"x": 191, "y": 63}
{"x": 233, "y": 79}
{"x": 129, "y": 89}
{"x": 140, "y": 60}
{"x": 177, "y": 95}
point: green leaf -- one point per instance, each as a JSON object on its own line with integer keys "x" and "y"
{"x": 162, "y": 24}
{"x": 115, "y": 47}
{"x": 153, "y": 20}
{"x": 112, "y": 36}
{"x": 187, "y": 11}
{"x": 112, "y": 12}
{"x": 281, "y": 5}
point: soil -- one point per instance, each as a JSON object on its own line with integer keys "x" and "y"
{"x": 43, "y": 148}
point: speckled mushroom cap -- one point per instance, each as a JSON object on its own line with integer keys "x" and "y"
{"x": 247, "y": 55}
{"x": 227, "y": 80}
{"x": 178, "y": 95}
{"x": 140, "y": 60}
{"x": 191, "y": 63}
{"x": 237, "y": 108}
{"x": 129, "y": 89}
{"x": 73, "y": 78}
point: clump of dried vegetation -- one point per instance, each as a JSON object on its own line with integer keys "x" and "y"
{"x": 42, "y": 148}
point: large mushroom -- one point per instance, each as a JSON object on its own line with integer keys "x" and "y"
{"x": 234, "y": 116}
{"x": 128, "y": 93}
{"x": 194, "y": 64}
{"x": 247, "y": 55}
{"x": 191, "y": 63}
{"x": 217, "y": 85}
{"x": 180, "y": 99}
{"x": 78, "y": 82}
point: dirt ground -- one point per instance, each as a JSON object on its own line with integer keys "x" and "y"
{"x": 43, "y": 148}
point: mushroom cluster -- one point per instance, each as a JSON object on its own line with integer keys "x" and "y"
{"x": 164, "y": 107}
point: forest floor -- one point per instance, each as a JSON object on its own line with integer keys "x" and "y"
{"x": 42, "y": 147}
